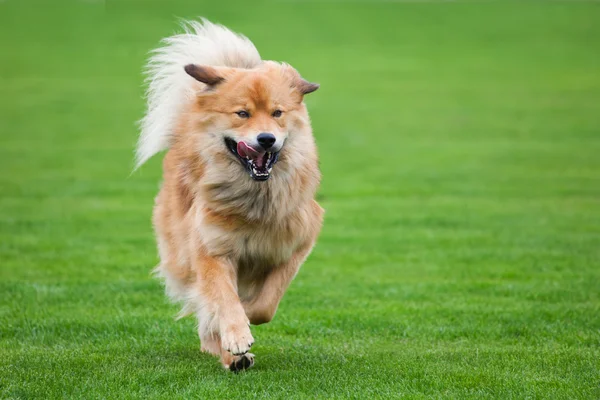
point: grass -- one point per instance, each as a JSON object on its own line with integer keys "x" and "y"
{"x": 460, "y": 256}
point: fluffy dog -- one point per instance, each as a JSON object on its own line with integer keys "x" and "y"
{"x": 235, "y": 217}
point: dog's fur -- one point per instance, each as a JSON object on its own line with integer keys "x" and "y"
{"x": 229, "y": 245}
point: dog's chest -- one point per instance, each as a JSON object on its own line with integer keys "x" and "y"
{"x": 262, "y": 249}
{"x": 253, "y": 247}
{"x": 257, "y": 243}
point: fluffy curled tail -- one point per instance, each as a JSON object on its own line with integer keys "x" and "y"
{"x": 202, "y": 43}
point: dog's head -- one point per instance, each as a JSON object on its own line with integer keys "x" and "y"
{"x": 252, "y": 115}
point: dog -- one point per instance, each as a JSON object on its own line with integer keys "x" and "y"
{"x": 236, "y": 214}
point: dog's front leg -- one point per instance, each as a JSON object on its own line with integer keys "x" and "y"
{"x": 262, "y": 307}
{"x": 222, "y": 320}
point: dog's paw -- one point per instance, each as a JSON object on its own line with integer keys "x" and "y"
{"x": 237, "y": 339}
{"x": 242, "y": 362}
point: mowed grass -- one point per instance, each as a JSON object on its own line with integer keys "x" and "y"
{"x": 460, "y": 257}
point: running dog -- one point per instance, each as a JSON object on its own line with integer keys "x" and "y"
{"x": 235, "y": 217}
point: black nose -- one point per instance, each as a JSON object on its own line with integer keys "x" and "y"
{"x": 266, "y": 140}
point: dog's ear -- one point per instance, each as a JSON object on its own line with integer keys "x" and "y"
{"x": 204, "y": 74}
{"x": 306, "y": 87}
{"x": 296, "y": 81}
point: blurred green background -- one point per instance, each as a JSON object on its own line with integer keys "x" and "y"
{"x": 460, "y": 257}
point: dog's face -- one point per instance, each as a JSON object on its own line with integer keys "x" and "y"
{"x": 252, "y": 115}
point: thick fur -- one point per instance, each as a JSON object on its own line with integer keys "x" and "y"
{"x": 229, "y": 246}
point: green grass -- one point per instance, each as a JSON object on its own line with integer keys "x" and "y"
{"x": 460, "y": 257}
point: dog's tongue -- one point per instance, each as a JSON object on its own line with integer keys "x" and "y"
{"x": 248, "y": 151}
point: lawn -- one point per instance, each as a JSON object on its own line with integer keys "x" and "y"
{"x": 460, "y": 256}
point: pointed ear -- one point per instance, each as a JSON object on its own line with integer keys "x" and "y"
{"x": 306, "y": 87}
{"x": 204, "y": 74}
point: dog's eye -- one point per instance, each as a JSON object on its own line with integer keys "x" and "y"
{"x": 277, "y": 113}
{"x": 243, "y": 114}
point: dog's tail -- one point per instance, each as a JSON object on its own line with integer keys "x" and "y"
{"x": 169, "y": 85}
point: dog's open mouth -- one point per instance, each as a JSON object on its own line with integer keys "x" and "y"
{"x": 259, "y": 163}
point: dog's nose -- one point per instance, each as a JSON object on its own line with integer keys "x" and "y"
{"x": 266, "y": 140}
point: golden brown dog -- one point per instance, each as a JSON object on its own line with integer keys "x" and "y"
{"x": 236, "y": 216}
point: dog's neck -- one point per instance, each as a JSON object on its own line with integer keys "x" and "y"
{"x": 288, "y": 190}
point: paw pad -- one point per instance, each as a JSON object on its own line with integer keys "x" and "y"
{"x": 242, "y": 362}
